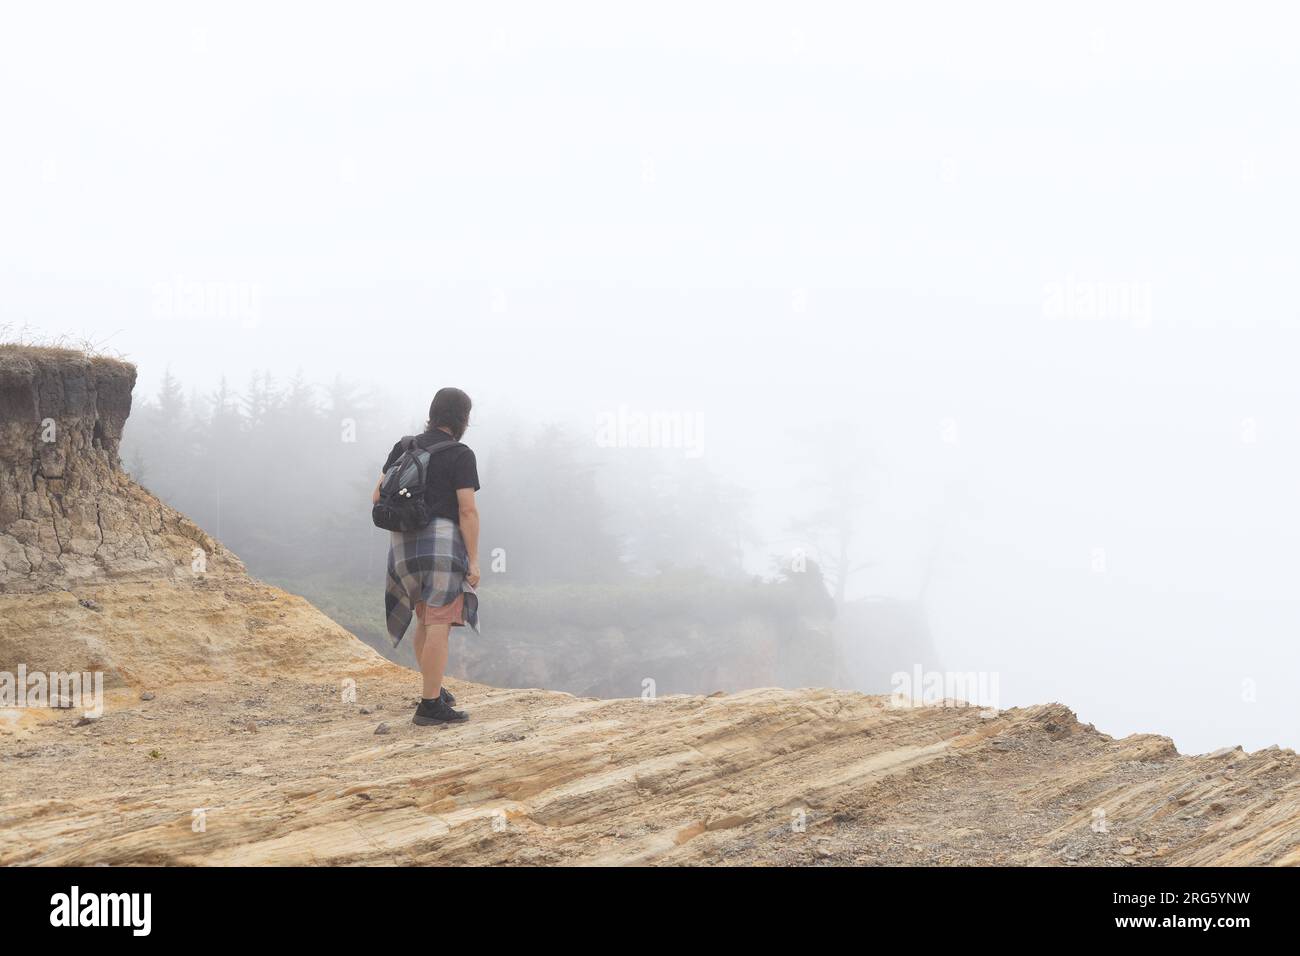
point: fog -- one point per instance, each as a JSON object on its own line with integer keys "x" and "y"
{"x": 1006, "y": 293}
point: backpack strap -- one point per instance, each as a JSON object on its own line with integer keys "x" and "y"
{"x": 432, "y": 449}
{"x": 409, "y": 443}
{"x": 443, "y": 446}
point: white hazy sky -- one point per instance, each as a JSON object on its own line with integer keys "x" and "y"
{"x": 896, "y": 220}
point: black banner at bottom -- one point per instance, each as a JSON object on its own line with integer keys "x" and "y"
{"x": 337, "y": 905}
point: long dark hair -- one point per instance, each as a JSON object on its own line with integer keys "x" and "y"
{"x": 449, "y": 409}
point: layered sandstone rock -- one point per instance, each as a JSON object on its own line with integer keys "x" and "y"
{"x": 291, "y": 771}
{"x": 68, "y": 513}
{"x": 97, "y": 574}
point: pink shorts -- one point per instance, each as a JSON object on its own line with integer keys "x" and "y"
{"x": 453, "y": 613}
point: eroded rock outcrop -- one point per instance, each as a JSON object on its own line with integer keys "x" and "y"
{"x": 68, "y": 513}
{"x": 97, "y": 574}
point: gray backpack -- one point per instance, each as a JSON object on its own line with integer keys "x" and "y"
{"x": 402, "y": 505}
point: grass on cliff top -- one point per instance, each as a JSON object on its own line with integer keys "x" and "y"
{"x": 25, "y": 342}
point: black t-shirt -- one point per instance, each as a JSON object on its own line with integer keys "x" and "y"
{"x": 449, "y": 470}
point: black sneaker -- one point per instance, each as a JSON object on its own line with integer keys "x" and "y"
{"x": 437, "y": 712}
{"x": 447, "y": 697}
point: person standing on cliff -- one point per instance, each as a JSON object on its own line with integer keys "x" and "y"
{"x": 433, "y": 571}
